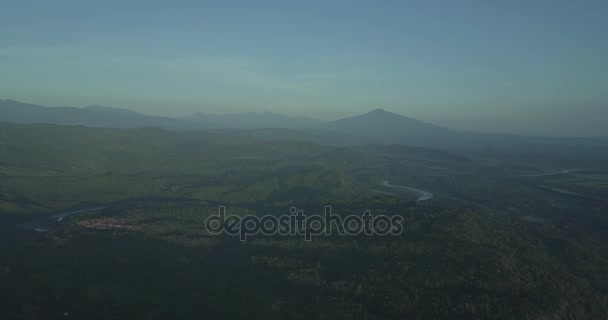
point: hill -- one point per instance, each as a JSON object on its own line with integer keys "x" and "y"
{"x": 49, "y": 167}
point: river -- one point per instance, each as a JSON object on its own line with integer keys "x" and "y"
{"x": 550, "y": 173}
{"x": 422, "y": 195}
{"x": 47, "y": 223}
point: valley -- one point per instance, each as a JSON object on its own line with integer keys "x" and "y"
{"x": 130, "y": 205}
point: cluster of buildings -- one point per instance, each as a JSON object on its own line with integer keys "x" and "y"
{"x": 109, "y": 223}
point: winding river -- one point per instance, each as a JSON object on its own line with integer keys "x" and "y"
{"x": 47, "y": 223}
{"x": 550, "y": 173}
{"x": 422, "y": 195}
{"x": 425, "y": 195}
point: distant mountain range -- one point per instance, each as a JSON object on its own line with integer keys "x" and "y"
{"x": 250, "y": 120}
{"x": 99, "y": 116}
{"x": 387, "y": 128}
{"x": 375, "y": 127}
{"x": 93, "y": 116}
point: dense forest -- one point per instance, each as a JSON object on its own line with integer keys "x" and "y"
{"x": 500, "y": 240}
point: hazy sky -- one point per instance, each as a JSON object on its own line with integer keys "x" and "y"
{"x": 510, "y": 66}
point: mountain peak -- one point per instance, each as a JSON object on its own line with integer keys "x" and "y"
{"x": 381, "y": 113}
{"x": 378, "y": 111}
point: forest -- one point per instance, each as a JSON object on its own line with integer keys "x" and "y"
{"x": 109, "y": 224}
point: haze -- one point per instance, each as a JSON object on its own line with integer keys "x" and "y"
{"x": 300, "y": 160}
{"x": 532, "y": 67}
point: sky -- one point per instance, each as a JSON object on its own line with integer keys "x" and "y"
{"x": 534, "y": 67}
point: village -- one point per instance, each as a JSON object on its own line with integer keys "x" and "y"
{"x": 109, "y": 223}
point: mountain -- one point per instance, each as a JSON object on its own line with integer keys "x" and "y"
{"x": 379, "y": 126}
{"x": 94, "y": 116}
{"x": 376, "y": 127}
{"x": 387, "y": 128}
{"x": 107, "y": 117}
{"x": 113, "y": 111}
{"x": 384, "y": 122}
{"x": 250, "y": 120}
